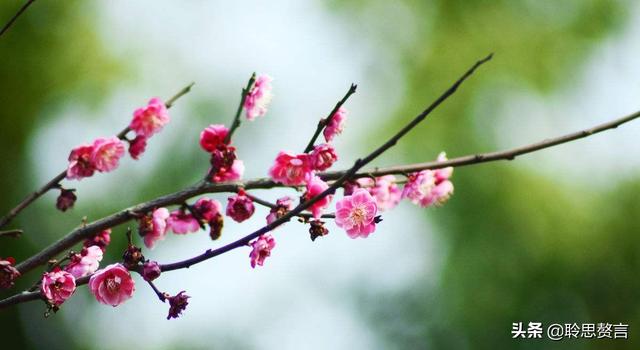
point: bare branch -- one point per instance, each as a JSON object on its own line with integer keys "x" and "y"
{"x": 15, "y": 17}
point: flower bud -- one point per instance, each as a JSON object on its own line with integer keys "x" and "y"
{"x": 66, "y": 199}
{"x": 317, "y": 229}
{"x": 8, "y": 273}
{"x": 177, "y": 304}
{"x": 151, "y": 270}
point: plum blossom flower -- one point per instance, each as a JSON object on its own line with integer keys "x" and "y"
{"x": 323, "y": 157}
{"x": 315, "y": 186}
{"x": 181, "y": 222}
{"x": 430, "y": 187}
{"x": 283, "y": 205}
{"x": 106, "y": 153}
{"x": 259, "y": 97}
{"x": 336, "y": 124}
{"x": 137, "y": 146}
{"x": 207, "y": 208}
{"x": 357, "y": 213}
{"x": 86, "y": 262}
{"x": 101, "y": 240}
{"x": 229, "y": 174}
{"x": 213, "y": 136}
{"x": 384, "y": 189}
{"x": 240, "y": 207}
{"x": 177, "y": 304}
{"x": 57, "y": 286}
{"x": 154, "y": 227}
{"x": 112, "y": 285}
{"x": 419, "y": 185}
{"x": 150, "y": 119}
{"x": 66, "y": 199}
{"x": 8, "y": 273}
{"x": 261, "y": 249}
{"x": 290, "y": 169}
{"x": 151, "y": 270}
{"x": 81, "y": 162}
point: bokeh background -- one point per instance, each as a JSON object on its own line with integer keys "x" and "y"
{"x": 551, "y": 237}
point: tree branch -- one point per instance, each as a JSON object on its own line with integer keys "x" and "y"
{"x": 236, "y": 119}
{"x": 324, "y": 122}
{"x": 55, "y": 182}
{"x": 15, "y": 17}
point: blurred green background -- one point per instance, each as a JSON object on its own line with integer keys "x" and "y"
{"x": 554, "y": 241}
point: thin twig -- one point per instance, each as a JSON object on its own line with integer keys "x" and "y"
{"x": 55, "y": 182}
{"x": 15, "y": 17}
{"x": 270, "y": 205}
{"x": 236, "y": 119}
{"x": 324, "y": 122}
{"x": 11, "y": 233}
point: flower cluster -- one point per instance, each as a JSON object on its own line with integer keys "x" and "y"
{"x": 429, "y": 187}
{"x": 86, "y": 262}
{"x": 384, "y": 189}
{"x": 224, "y": 165}
{"x": 104, "y": 154}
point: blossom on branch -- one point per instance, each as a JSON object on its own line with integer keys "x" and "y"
{"x": 150, "y": 119}
{"x": 323, "y": 156}
{"x": 57, "y": 286}
{"x": 66, "y": 199}
{"x": 181, "y": 222}
{"x": 207, "y": 208}
{"x": 357, "y": 214}
{"x": 240, "y": 207}
{"x": 177, "y": 304}
{"x": 101, "y": 240}
{"x": 81, "y": 162}
{"x": 384, "y": 189}
{"x": 259, "y": 97}
{"x": 107, "y": 153}
{"x": 290, "y": 169}
{"x": 261, "y": 249}
{"x": 154, "y": 227}
{"x": 137, "y": 146}
{"x": 86, "y": 262}
{"x": 151, "y": 270}
{"x": 213, "y": 136}
{"x": 112, "y": 285}
{"x": 283, "y": 205}
{"x": 336, "y": 124}
{"x": 429, "y": 187}
{"x": 316, "y": 186}
{"x": 8, "y": 273}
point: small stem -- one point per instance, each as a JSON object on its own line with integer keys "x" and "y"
{"x": 158, "y": 292}
{"x": 236, "y": 120}
{"x": 15, "y": 17}
{"x": 271, "y": 205}
{"x": 11, "y": 233}
{"x": 324, "y": 122}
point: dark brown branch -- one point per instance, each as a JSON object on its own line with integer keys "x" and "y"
{"x": 324, "y": 122}
{"x": 15, "y": 17}
{"x": 271, "y": 205}
{"x": 236, "y": 119}
{"x": 55, "y": 182}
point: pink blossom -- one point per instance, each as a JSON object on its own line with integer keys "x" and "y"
{"x": 101, "y": 239}
{"x": 323, "y": 157}
{"x": 315, "y": 186}
{"x": 207, "y": 208}
{"x": 154, "y": 228}
{"x": 336, "y": 124}
{"x": 137, "y": 146}
{"x": 443, "y": 173}
{"x": 259, "y": 97}
{"x": 151, "y": 270}
{"x": 240, "y": 207}
{"x": 112, "y": 285}
{"x": 357, "y": 214}
{"x": 86, "y": 262}
{"x": 261, "y": 249}
{"x": 384, "y": 189}
{"x": 181, "y": 222}
{"x": 419, "y": 186}
{"x": 283, "y": 205}
{"x": 57, "y": 286}
{"x": 438, "y": 195}
{"x": 290, "y": 169}
{"x": 232, "y": 174}
{"x": 81, "y": 162}
{"x": 150, "y": 119}
{"x": 106, "y": 153}
{"x": 8, "y": 273}
{"x": 213, "y": 136}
